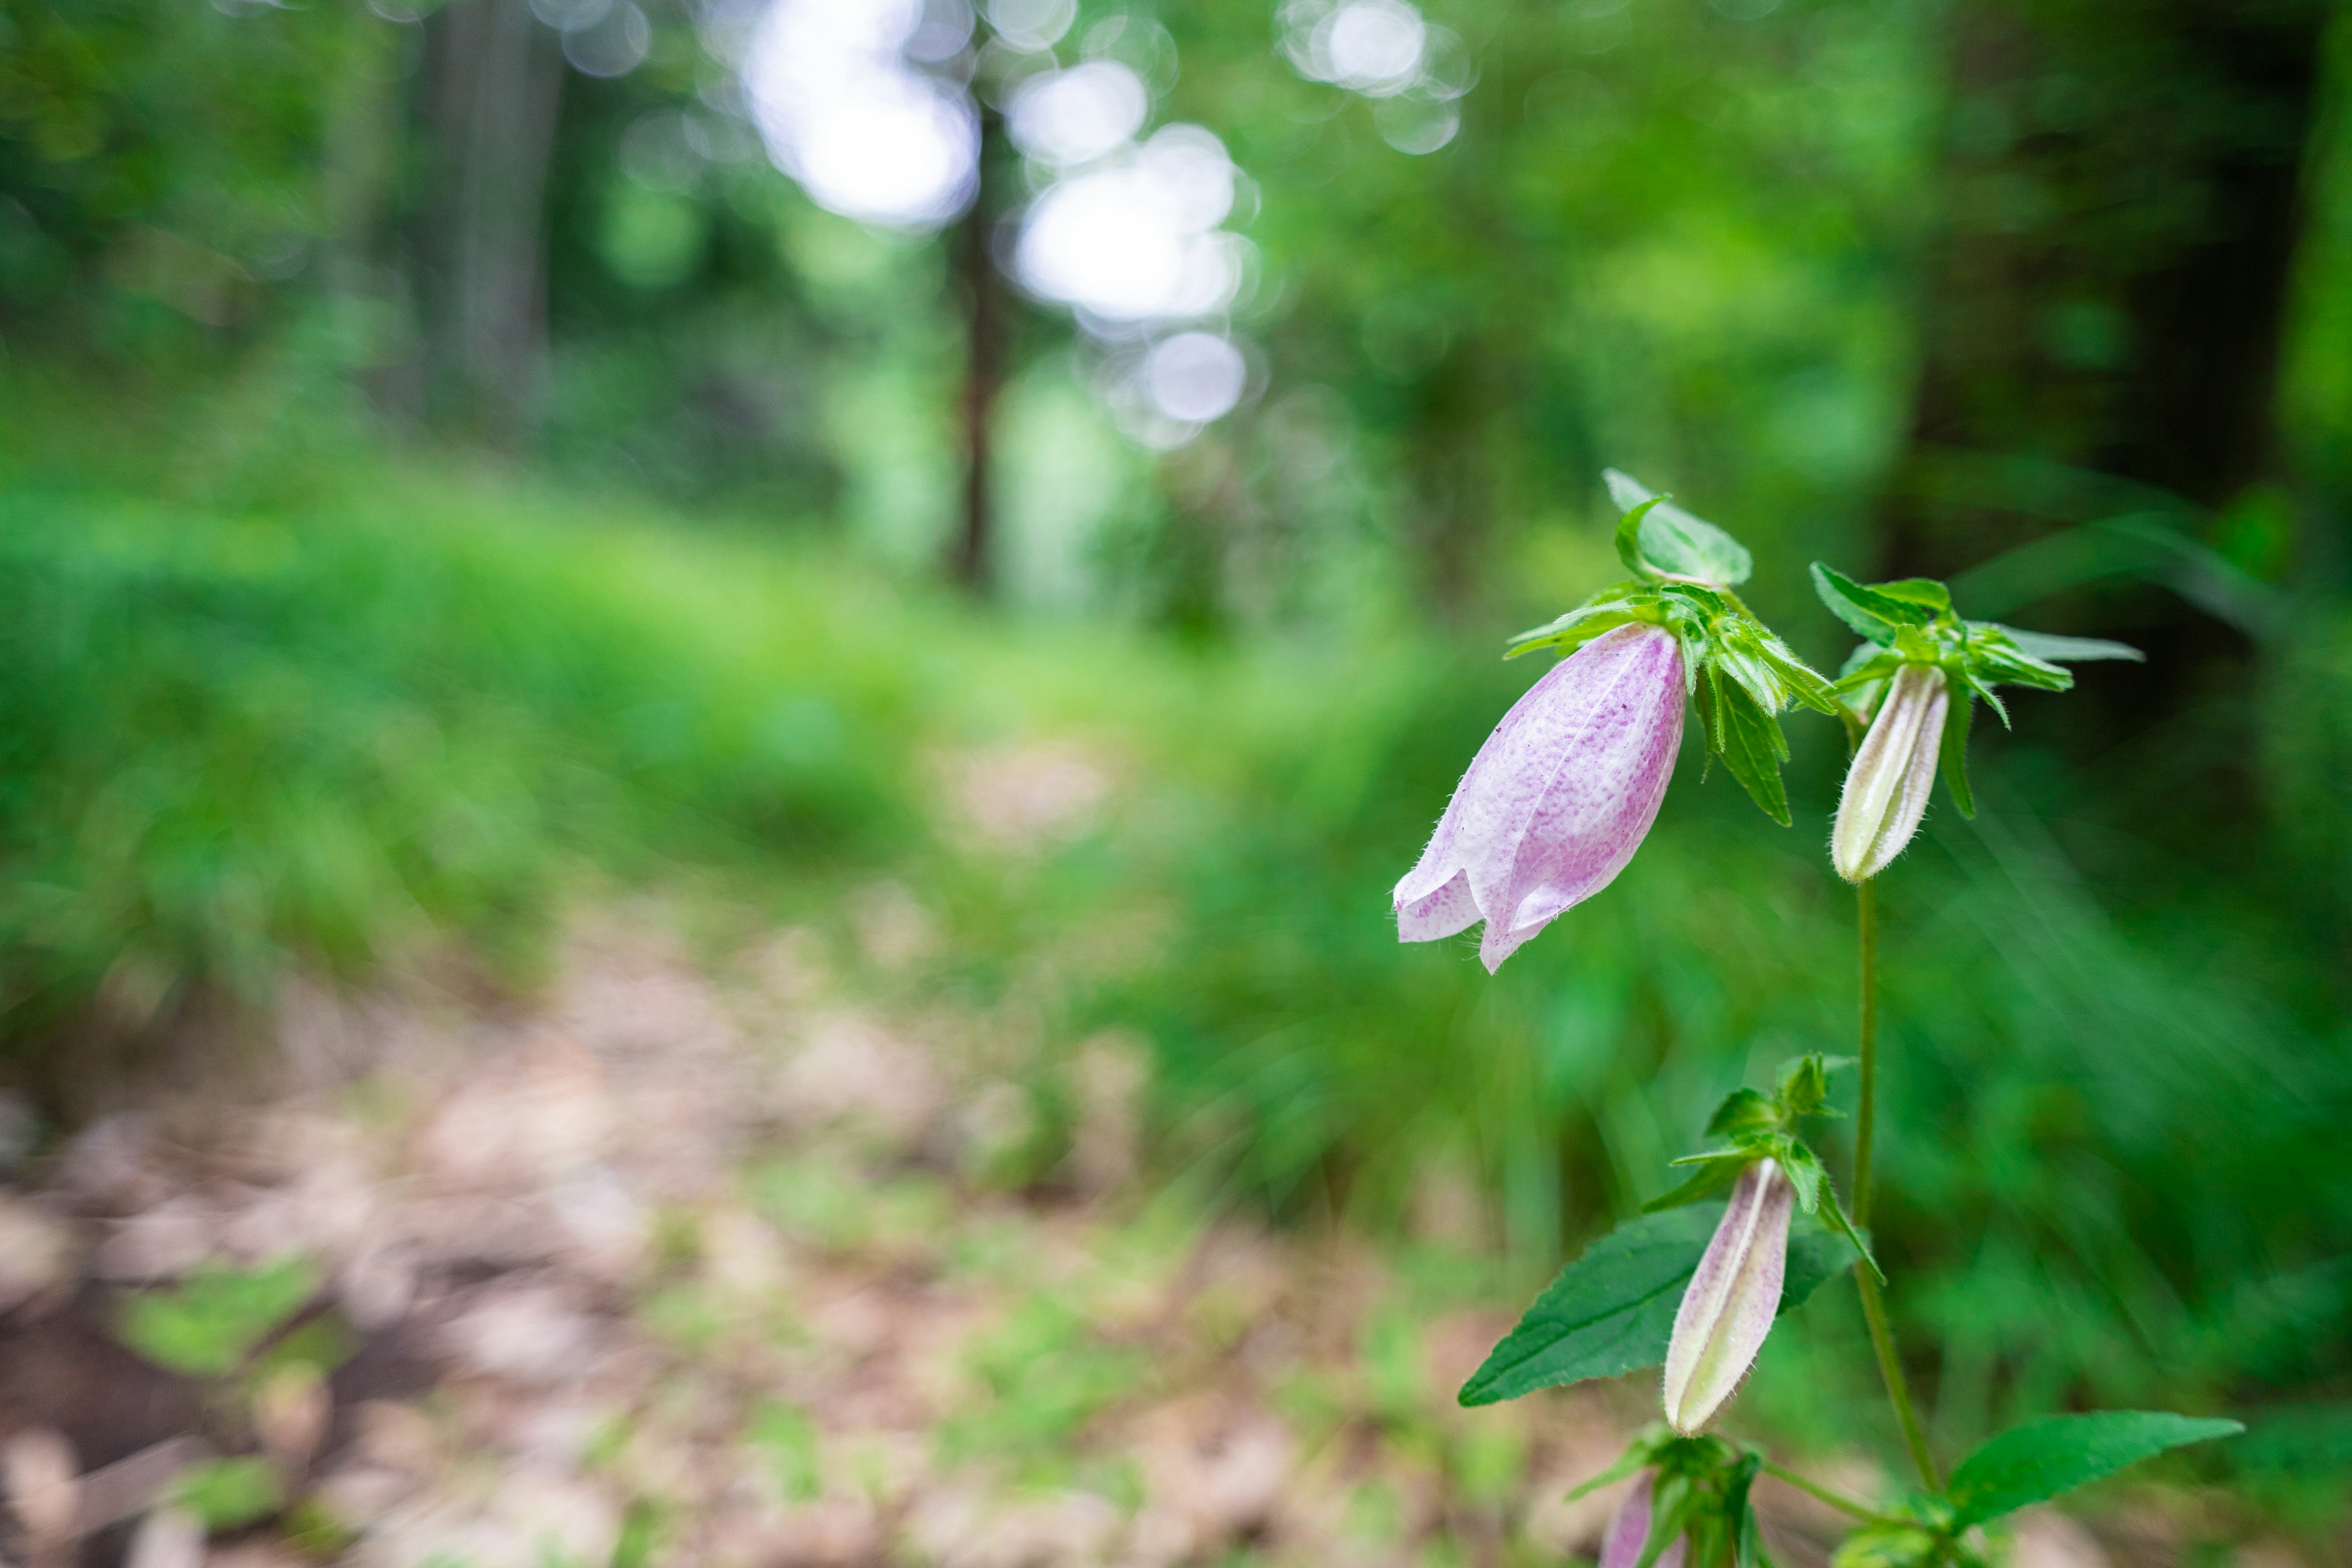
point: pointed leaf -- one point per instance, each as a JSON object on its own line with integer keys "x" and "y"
{"x": 1751, "y": 745}
{"x": 1678, "y": 542}
{"x": 1871, "y": 614}
{"x": 2052, "y": 650}
{"x": 1716, "y": 1173}
{"x": 1925, "y": 592}
{"x": 1613, "y": 1309}
{"x": 1572, "y": 630}
{"x": 1743, "y": 1111}
{"x": 1952, "y": 756}
{"x": 2043, "y": 1458}
{"x": 1629, "y": 540}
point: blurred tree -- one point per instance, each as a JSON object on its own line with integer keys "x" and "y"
{"x": 987, "y": 307}
{"x": 2121, "y": 202}
{"x": 493, "y": 78}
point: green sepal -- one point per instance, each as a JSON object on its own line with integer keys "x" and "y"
{"x": 1716, "y": 1173}
{"x": 1817, "y": 1197}
{"x": 1572, "y": 630}
{"x": 1805, "y": 1084}
{"x": 1751, "y": 742}
{"x": 1628, "y": 1463}
{"x": 1952, "y": 751}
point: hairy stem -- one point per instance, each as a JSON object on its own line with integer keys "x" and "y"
{"x": 1814, "y": 1489}
{"x": 1873, "y": 1305}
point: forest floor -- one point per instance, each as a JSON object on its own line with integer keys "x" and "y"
{"x": 685, "y": 1266}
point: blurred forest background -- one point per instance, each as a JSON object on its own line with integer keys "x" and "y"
{"x": 466, "y": 462}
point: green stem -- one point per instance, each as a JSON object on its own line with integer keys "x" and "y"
{"x": 1873, "y": 1305}
{"x": 1814, "y": 1489}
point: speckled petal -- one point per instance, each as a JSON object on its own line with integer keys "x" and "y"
{"x": 1558, "y": 799}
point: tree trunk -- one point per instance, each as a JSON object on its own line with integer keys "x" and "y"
{"x": 492, "y": 79}
{"x": 971, "y": 559}
{"x": 2122, "y": 204}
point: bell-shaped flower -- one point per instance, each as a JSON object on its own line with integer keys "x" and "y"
{"x": 1558, "y": 799}
{"x": 1887, "y": 783}
{"x": 1629, "y": 1530}
{"x": 1729, "y": 1304}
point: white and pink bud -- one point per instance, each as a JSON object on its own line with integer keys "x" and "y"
{"x": 1629, "y": 1530}
{"x": 1558, "y": 799}
{"x": 1886, "y": 785}
{"x": 1728, "y": 1307}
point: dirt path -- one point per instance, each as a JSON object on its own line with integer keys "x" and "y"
{"x": 697, "y": 1270}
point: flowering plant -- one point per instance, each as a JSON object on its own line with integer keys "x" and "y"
{"x": 1550, "y": 810}
{"x": 1564, "y": 791}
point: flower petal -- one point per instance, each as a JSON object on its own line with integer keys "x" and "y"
{"x": 1728, "y": 1307}
{"x": 1561, "y": 795}
{"x": 1440, "y": 914}
{"x": 1893, "y": 769}
{"x": 1629, "y": 1530}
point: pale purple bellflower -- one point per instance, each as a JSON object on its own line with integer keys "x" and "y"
{"x": 1558, "y": 799}
{"x": 1566, "y": 788}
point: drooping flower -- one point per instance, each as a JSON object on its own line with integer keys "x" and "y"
{"x": 1629, "y": 1530}
{"x": 1558, "y": 799}
{"x": 1892, "y": 771}
{"x": 1728, "y": 1307}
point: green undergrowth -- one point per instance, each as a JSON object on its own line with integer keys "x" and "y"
{"x": 247, "y": 727}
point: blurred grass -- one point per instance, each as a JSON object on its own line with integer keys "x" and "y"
{"x": 245, "y": 726}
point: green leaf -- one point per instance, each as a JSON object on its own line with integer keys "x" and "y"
{"x": 1742, "y": 1112}
{"x": 211, "y": 1324}
{"x": 1613, "y": 1309}
{"x": 1952, "y": 754}
{"x": 1751, "y": 745}
{"x": 1629, "y": 540}
{"x": 1675, "y": 541}
{"x": 227, "y": 1493}
{"x": 2044, "y": 1459}
{"x": 1925, "y": 592}
{"x": 1871, "y": 614}
{"x": 2053, "y": 649}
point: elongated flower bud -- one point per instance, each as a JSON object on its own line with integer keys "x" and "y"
{"x": 1629, "y": 1530}
{"x": 1558, "y": 799}
{"x": 1887, "y": 787}
{"x": 1731, "y": 1301}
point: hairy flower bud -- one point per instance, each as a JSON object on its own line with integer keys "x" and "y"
{"x": 1887, "y": 787}
{"x": 1558, "y": 799}
{"x": 1728, "y": 1307}
{"x": 1629, "y": 1530}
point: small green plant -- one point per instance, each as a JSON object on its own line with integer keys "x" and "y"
{"x": 241, "y": 1332}
{"x": 1550, "y": 812}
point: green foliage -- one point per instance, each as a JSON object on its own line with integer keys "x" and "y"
{"x": 1613, "y": 1309}
{"x": 234, "y": 742}
{"x": 2044, "y": 1459}
{"x": 1748, "y": 1126}
{"x": 228, "y": 1494}
{"x": 211, "y": 1326}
